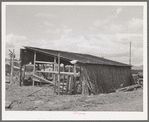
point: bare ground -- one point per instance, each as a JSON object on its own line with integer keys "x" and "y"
{"x": 29, "y": 98}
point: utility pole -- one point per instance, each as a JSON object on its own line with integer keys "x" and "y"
{"x": 130, "y": 55}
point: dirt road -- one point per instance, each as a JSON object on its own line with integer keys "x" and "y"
{"x": 29, "y": 98}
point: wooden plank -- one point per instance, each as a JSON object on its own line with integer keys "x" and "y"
{"x": 70, "y": 84}
{"x": 58, "y": 73}
{"x": 63, "y": 73}
{"x": 44, "y": 62}
{"x": 44, "y": 80}
{"x": 43, "y": 67}
{"x": 15, "y": 61}
{"x": 34, "y": 66}
{"x": 23, "y": 78}
{"x": 54, "y": 75}
{"x": 40, "y": 72}
{"x": 67, "y": 84}
{"x": 63, "y": 79}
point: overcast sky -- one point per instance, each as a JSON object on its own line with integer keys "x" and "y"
{"x": 104, "y": 31}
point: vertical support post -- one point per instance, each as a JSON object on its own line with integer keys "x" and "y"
{"x": 20, "y": 66}
{"x": 12, "y": 66}
{"x": 43, "y": 67}
{"x": 38, "y": 68}
{"x": 23, "y": 78}
{"x": 44, "y": 70}
{"x": 70, "y": 84}
{"x": 54, "y": 80}
{"x": 58, "y": 73}
{"x": 67, "y": 84}
{"x": 63, "y": 79}
{"x": 34, "y": 67}
{"x": 38, "y": 75}
{"x": 74, "y": 69}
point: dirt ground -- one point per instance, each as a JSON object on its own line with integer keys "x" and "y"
{"x": 42, "y": 98}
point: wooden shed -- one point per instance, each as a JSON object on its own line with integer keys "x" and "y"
{"x": 96, "y": 74}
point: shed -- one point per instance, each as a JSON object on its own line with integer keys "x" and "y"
{"x": 97, "y": 75}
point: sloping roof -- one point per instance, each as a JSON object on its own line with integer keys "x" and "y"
{"x": 82, "y": 58}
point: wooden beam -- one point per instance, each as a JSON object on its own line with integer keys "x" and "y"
{"x": 10, "y": 51}
{"x": 38, "y": 74}
{"x": 67, "y": 84}
{"x": 43, "y": 62}
{"x": 23, "y": 78}
{"x": 34, "y": 67}
{"x": 43, "y": 67}
{"x": 70, "y": 84}
{"x": 44, "y": 80}
{"x": 15, "y": 61}
{"x": 63, "y": 79}
{"x": 62, "y": 73}
{"x": 58, "y": 73}
{"x": 42, "y": 72}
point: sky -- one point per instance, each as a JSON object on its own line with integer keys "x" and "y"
{"x": 104, "y": 31}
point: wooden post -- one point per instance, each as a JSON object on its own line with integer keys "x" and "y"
{"x": 20, "y": 66}
{"x": 58, "y": 73}
{"x": 67, "y": 84}
{"x": 54, "y": 80}
{"x": 12, "y": 66}
{"x": 38, "y": 75}
{"x": 45, "y": 76}
{"x": 38, "y": 68}
{"x": 34, "y": 67}
{"x": 70, "y": 84}
{"x": 23, "y": 78}
{"x": 63, "y": 79}
{"x": 75, "y": 78}
{"x": 43, "y": 67}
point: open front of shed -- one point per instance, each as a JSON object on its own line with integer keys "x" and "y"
{"x": 69, "y": 71}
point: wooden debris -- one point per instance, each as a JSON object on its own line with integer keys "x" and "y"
{"x": 129, "y": 88}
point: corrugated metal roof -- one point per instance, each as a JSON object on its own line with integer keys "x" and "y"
{"x": 82, "y": 58}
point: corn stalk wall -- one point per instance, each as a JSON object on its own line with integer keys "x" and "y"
{"x": 103, "y": 78}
